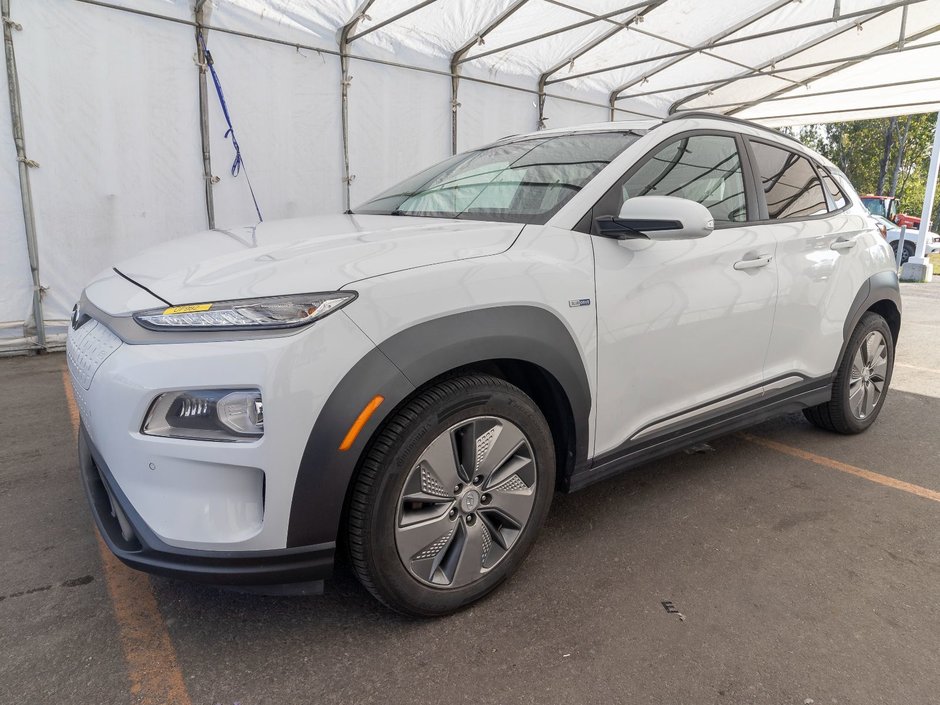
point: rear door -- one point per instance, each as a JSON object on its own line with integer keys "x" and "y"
{"x": 683, "y": 326}
{"x": 822, "y": 254}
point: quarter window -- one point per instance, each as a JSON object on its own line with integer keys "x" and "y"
{"x": 703, "y": 168}
{"x": 835, "y": 193}
{"x": 791, "y": 186}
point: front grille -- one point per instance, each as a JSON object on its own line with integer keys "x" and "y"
{"x": 86, "y": 348}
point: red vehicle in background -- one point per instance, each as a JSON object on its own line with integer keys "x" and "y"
{"x": 887, "y": 207}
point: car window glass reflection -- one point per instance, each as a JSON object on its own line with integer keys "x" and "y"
{"x": 524, "y": 181}
{"x": 791, "y": 186}
{"x": 703, "y": 168}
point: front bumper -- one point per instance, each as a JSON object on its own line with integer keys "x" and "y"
{"x": 132, "y": 541}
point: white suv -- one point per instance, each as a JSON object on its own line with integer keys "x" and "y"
{"x": 413, "y": 380}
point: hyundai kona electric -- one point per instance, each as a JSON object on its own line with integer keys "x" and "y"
{"x": 406, "y": 385}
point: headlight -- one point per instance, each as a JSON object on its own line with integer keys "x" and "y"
{"x": 207, "y": 414}
{"x": 247, "y": 314}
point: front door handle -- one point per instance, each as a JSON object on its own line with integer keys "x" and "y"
{"x": 843, "y": 243}
{"x": 760, "y": 261}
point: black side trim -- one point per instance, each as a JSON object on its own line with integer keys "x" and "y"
{"x": 718, "y": 423}
{"x": 132, "y": 541}
{"x": 403, "y": 363}
{"x": 726, "y": 397}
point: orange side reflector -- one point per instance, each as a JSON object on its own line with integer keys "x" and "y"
{"x": 360, "y": 422}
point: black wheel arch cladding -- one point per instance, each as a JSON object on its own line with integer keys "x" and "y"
{"x": 400, "y": 365}
{"x": 880, "y": 293}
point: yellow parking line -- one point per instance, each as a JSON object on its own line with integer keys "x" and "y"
{"x": 155, "y": 675}
{"x": 845, "y": 467}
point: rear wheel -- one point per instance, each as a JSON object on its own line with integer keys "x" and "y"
{"x": 862, "y": 380}
{"x": 451, "y": 495}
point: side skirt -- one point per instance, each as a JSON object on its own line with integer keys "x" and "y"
{"x": 719, "y": 423}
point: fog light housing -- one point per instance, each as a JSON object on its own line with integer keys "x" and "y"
{"x": 207, "y": 415}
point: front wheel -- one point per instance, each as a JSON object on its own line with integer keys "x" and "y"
{"x": 451, "y": 495}
{"x": 862, "y": 380}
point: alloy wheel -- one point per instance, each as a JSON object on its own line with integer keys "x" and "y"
{"x": 868, "y": 375}
{"x": 465, "y": 502}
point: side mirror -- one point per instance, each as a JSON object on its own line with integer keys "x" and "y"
{"x": 657, "y": 218}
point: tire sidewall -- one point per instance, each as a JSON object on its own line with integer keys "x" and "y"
{"x": 405, "y": 592}
{"x": 869, "y": 323}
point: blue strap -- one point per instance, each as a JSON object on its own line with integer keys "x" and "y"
{"x": 239, "y": 164}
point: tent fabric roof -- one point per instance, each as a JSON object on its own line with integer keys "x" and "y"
{"x": 775, "y": 61}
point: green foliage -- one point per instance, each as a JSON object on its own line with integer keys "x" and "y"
{"x": 861, "y": 149}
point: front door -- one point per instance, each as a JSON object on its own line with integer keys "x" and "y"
{"x": 683, "y": 326}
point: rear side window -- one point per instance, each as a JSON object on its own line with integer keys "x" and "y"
{"x": 703, "y": 168}
{"x": 835, "y": 193}
{"x": 791, "y": 186}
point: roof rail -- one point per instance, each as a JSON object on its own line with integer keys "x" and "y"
{"x": 728, "y": 118}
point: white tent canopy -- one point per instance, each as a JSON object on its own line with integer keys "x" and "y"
{"x": 332, "y": 100}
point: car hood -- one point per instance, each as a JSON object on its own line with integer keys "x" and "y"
{"x": 300, "y": 255}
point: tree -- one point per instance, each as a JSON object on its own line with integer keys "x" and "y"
{"x": 890, "y": 130}
{"x": 899, "y": 156}
{"x": 863, "y": 149}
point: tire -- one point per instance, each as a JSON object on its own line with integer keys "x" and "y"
{"x": 850, "y": 411}
{"x": 426, "y": 536}
{"x": 906, "y": 254}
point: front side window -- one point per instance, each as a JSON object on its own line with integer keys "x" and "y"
{"x": 523, "y": 181}
{"x": 702, "y": 168}
{"x": 791, "y": 186}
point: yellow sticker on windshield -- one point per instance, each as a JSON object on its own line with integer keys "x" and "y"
{"x": 191, "y": 308}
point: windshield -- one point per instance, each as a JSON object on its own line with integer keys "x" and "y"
{"x": 522, "y": 181}
{"x": 875, "y": 206}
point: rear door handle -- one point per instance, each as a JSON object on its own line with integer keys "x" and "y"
{"x": 761, "y": 261}
{"x": 843, "y": 243}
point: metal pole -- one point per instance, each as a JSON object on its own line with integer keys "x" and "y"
{"x": 901, "y": 238}
{"x": 901, "y": 108}
{"x": 768, "y": 67}
{"x": 581, "y": 51}
{"x": 842, "y": 64}
{"x": 732, "y": 40}
{"x": 26, "y": 194}
{"x": 708, "y": 43}
{"x": 344, "y": 40}
{"x": 204, "y": 114}
{"x": 477, "y": 39}
{"x": 390, "y": 20}
{"x": 930, "y": 193}
{"x": 359, "y": 57}
{"x": 559, "y": 30}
